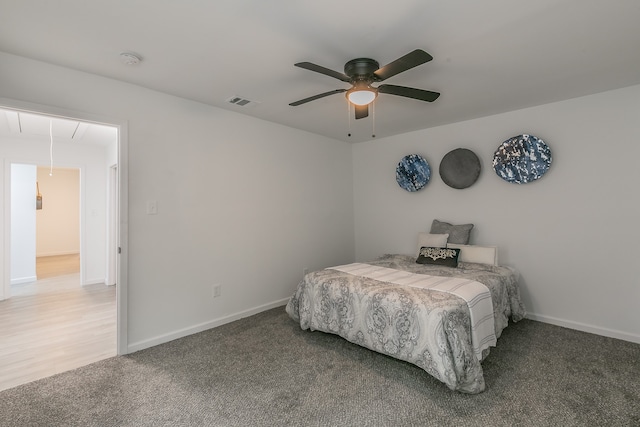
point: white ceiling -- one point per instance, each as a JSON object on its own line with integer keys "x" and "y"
{"x": 490, "y": 56}
{"x": 20, "y": 124}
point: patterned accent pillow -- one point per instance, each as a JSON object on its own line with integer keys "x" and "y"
{"x": 432, "y": 240}
{"x": 457, "y": 233}
{"x": 439, "y": 256}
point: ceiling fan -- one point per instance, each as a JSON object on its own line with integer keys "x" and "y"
{"x": 362, "y": 72}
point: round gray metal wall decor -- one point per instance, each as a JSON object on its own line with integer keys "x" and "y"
{"x": 522, "y": 159}
{"x": 413, "y": 172}
{"x": 460, "y": 168}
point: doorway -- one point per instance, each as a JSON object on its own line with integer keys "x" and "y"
{"x": 49, "y": 232}
{"x": 57, "y": 222}
{"x": 101, "y": 206}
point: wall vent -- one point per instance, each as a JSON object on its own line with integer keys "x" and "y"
{"x": 241, "y": 102}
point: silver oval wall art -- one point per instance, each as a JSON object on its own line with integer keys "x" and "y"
{"x": 522, "y": 159}
{"x": 460, "y": 168}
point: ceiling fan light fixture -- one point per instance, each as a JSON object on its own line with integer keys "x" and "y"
{"x": 362, "y": 95}
{"x": 362, "y": 72}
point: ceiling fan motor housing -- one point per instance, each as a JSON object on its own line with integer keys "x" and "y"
{"x": 361, "y": 69}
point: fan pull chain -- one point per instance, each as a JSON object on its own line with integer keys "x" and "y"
{"x": 51, "y": 148}
{"x": 373, "y": 120}
{"x": 349, "y": 117}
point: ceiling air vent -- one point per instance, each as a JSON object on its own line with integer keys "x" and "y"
{"x": 241, "y": 102}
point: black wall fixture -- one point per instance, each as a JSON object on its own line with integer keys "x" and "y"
{"x": 460, "y": 168}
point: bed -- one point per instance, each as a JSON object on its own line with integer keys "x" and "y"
{"x": 413, "y": 311}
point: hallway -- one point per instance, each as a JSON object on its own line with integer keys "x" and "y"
{"x": 53, "y": 324}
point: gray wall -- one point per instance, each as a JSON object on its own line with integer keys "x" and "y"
{"x": 572, "y": 234}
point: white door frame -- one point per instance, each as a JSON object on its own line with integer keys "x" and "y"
{"x": 112, "y": 227}
{"x": 122, "y": 191}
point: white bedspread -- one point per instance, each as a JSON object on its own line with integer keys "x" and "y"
{"x": 423, "y": 324}
{"x": 477, "y": 296}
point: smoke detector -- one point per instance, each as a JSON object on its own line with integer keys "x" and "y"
{"x": 129, "y": 58}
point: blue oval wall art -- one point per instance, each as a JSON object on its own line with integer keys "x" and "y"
{"x": 413, "y": 172}
{"x": 522, "y": 159}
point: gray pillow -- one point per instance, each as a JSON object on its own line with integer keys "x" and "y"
{"x": 457, "y": 233}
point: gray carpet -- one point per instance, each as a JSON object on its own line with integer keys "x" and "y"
{"x": 265, "y": 371}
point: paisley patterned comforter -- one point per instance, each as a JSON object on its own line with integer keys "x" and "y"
{"x": 428, "y": 328}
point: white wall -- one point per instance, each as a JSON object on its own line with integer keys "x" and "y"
{"x": 249, "y": 204}
{"x": 241, "y": 202}
{"x": 58, "y": 222}
{"x": 572, "y": 234}
{"x": 90, "y": 159}
{"x": 23, "y": 223}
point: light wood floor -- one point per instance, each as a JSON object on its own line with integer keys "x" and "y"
{"x": 54, "y": 324}
{"x": 54, "y": 266}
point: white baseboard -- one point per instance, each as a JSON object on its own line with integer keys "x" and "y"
{"x": 21, "y": 280}
{"x": 161, "y": 339}
{"x": 611, "y": 333}
{"x": 94, "y": 281}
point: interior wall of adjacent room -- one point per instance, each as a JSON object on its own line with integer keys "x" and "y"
{"x": 570, "y": 234}
{"x": 23, "y": 223}
{"x": 58, "y": 222}
{"x": 241, "y": 202}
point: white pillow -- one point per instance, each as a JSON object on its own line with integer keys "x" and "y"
{"x": 478, "y": 254}
{"x": 432, "y": 240}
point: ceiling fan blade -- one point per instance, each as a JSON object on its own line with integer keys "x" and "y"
{"x": 410, "y": 60}
{"x": 323, "y": 70}
{"x": 409, "y": 92}
{"x": 362, "y": 111}
{"x": 318, "y": 96}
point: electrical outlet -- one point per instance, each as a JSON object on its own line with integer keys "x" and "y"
{"x": 217, "y": 290}
{"x": 152, "y": 207}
